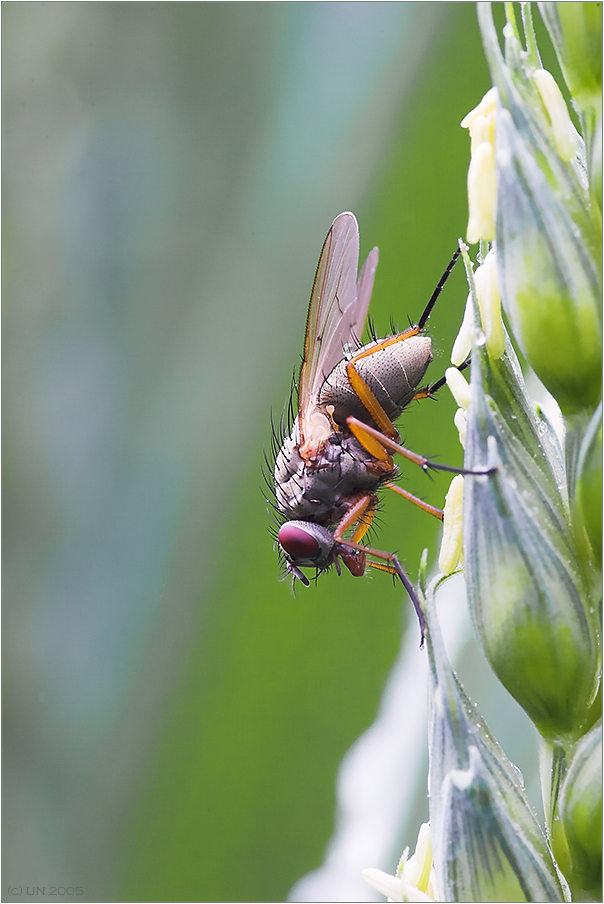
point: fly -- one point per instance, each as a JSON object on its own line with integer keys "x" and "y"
{"x": 338, "y": 454}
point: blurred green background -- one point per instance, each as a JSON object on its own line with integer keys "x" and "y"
{"x": 174, "y": 717}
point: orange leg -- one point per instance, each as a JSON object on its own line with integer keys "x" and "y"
{"x": 429, "y": 391}
{"x": 362, "y": 389}
{"x": 368, "y": 435}
{"x": 373, "y": 444}
{"x": 381, "y": 566}
{"x": 432, "y": 510}
{"x": 360, "y": 513}
{"x": 351, "y": 551}
{"x": 384, "y": 343}
{"x": 423, "y": 394}
{"x": 369, "y": 400}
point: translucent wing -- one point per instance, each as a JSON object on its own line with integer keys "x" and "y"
{"x": 364, "y": 289}
{"x": 336, "y": 317}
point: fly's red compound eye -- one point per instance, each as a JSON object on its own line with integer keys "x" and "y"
{"x": 297, "y": 542}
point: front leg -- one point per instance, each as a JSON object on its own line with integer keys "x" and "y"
{"x": 371, "y": 439}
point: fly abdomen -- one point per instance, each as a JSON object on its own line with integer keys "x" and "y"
{"x": 393, "y": 374}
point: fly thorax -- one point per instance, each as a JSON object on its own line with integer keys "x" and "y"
{"x": 318, "y": 490}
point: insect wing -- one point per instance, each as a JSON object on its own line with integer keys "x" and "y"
{"x": 337, "y": 312}
{"x": 334, "y": 290}
{"x": 364, "y": 289}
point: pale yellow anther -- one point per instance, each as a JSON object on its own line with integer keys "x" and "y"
{"x": 489, "y": 302}
{"x": 563, "y": 131}
{"x": 483, "y": 129}
{"x": 482, "y": 188}
{"x": 459, "y": 387}
{"x": 463, "y": 343}
{"x": 486, "y": 106}
{"x": 451, "y": 548}
{"x": 461, "y": 422}
{"x": 482, "y": 194}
